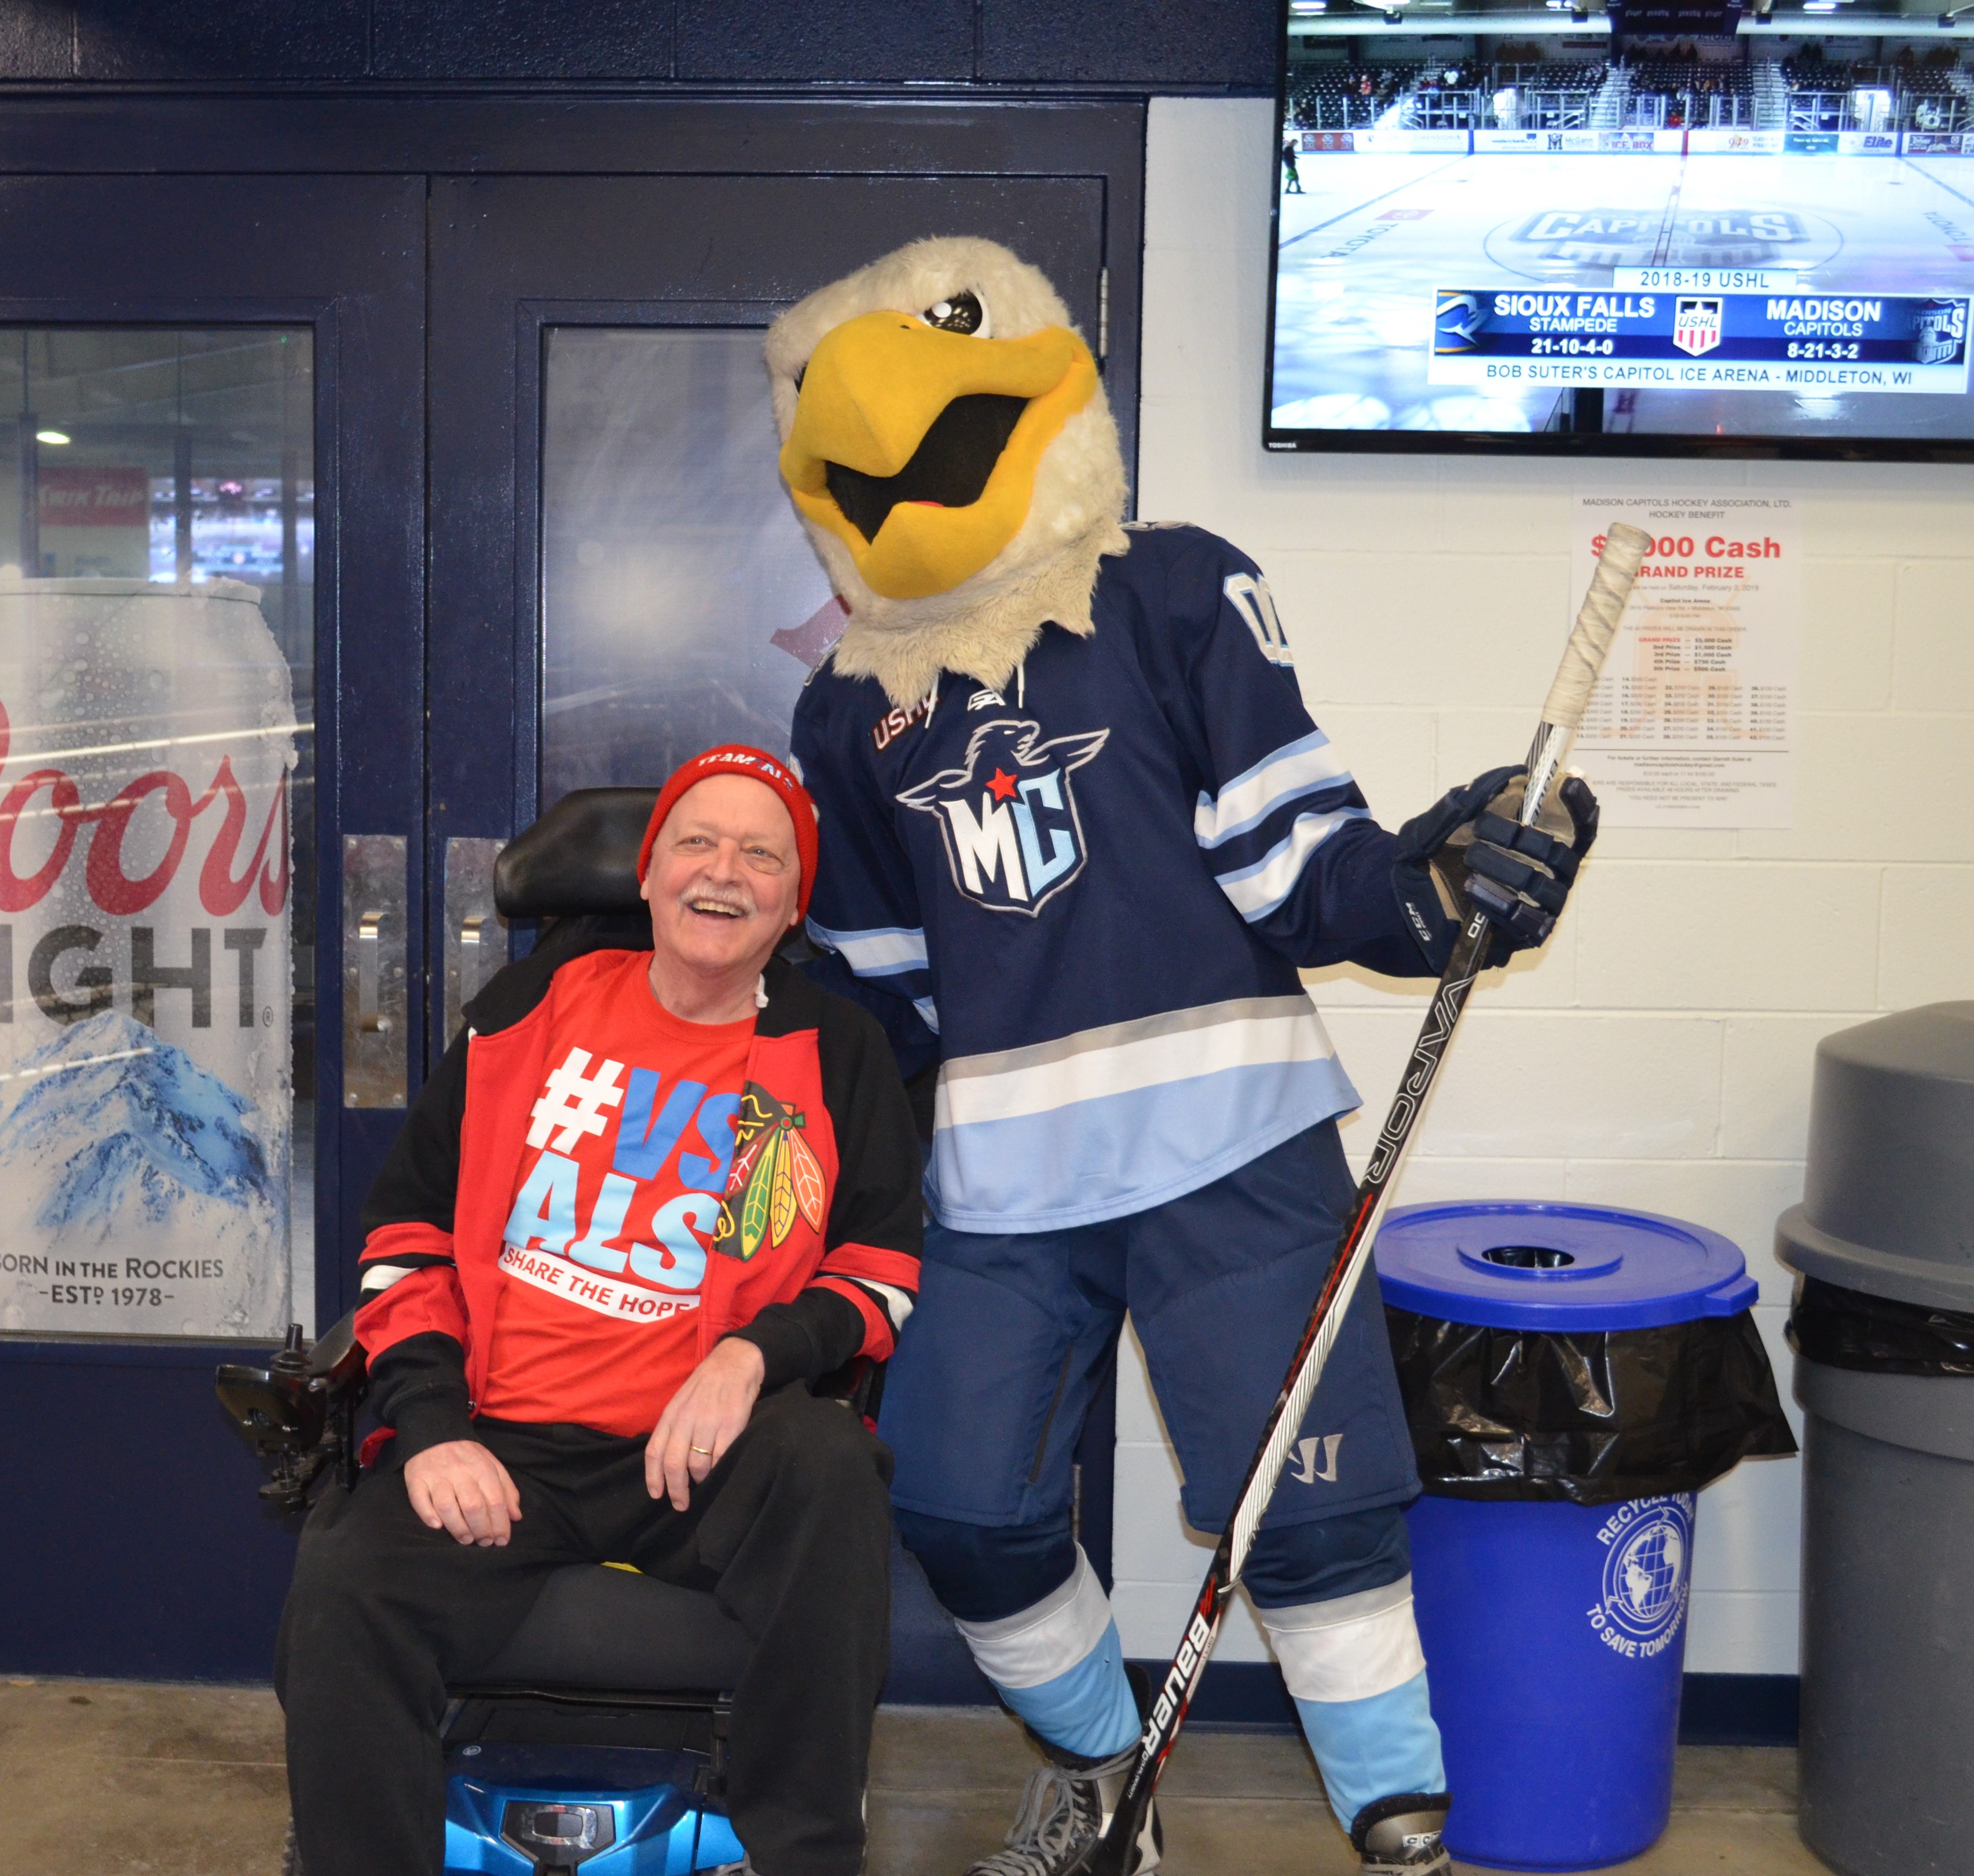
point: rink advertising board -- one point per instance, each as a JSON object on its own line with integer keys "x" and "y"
{"x": 1701, "y": 141}
{"x": 1787, "y": 340}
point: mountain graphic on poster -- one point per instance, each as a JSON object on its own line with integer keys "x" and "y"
{"x": 113, "y": 1140}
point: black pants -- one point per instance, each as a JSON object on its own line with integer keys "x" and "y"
{"x": 790, "y": 1533}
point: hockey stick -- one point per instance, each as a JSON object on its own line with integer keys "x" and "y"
{"x": 1596, "y": 626}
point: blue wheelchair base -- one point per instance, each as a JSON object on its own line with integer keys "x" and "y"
{"x": 515, "y": 1810}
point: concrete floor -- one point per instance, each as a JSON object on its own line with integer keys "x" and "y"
{"x": 132, "y": 1780}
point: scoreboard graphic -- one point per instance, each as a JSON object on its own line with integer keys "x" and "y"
{"x": 1782, "y": 339}
{"x": 1714, "y": 283}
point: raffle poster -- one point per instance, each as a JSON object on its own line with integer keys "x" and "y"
{"x": 1691, "y": 723}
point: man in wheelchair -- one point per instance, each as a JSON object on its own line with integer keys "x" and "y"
{"x": 646, "y": 1199}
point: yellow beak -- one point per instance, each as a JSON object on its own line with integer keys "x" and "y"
{"x": 872, "y": 390}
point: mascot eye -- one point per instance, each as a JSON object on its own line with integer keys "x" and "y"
{"x": 958, "y": 313}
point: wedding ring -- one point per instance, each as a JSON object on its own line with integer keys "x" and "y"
{"x": 706, "y": 1450}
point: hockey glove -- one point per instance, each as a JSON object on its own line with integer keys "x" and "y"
{"x": 1470, "y": 848}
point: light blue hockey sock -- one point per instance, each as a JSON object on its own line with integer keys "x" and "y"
{"x": 1380, "y": 1746}
{"x": 1088, "y": 1710}
{"x": 1060, "y": 1665}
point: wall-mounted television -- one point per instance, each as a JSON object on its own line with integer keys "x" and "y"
{"x": 1683, "y": 230}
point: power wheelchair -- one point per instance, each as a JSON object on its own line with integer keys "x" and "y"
{"x": 596, "y": 1739}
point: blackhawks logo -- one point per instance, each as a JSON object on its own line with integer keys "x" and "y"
{"x": 777, "y": 1176}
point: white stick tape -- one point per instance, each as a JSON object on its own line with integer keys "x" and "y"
{"x": 1625, "y": 550}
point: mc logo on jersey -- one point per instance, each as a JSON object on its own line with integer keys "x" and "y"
{"x": 1696, "y": 326}
{"x": 1007, "y": 817}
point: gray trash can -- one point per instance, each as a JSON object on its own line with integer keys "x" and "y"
{"x": 1884, "y": 1329}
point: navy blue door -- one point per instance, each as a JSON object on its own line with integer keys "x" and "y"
{"x": 211, "y": 456}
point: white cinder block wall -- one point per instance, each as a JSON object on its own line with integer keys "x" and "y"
{"x": 1658, "y": 1053}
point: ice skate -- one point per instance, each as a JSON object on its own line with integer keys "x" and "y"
{"x": 1401, "y": 1836}
{"x": 1064, "y": 1808}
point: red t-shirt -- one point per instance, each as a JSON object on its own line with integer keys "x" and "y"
{"x": 629, "y": 1149}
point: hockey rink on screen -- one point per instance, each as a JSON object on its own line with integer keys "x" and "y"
{"x": 1364, "y": 250}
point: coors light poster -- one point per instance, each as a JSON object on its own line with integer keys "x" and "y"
{"x": 147, "y": 737}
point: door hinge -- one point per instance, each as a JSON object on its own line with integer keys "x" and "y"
{"x": 1102, "y": 314}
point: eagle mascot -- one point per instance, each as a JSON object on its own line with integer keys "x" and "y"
{"x": 1078, "y": 837}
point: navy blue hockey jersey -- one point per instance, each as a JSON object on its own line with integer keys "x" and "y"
{"x": 1089, "y": 896}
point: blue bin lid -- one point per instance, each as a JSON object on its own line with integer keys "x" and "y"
{"x": 1558, "y": 1268}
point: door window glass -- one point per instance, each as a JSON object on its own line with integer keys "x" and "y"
{"x": 682, "y": 604}
{"x": 156, "y": 830}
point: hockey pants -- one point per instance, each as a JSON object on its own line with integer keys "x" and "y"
{"x": 987, "y": 1395}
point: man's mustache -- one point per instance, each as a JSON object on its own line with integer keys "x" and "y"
{"x": 719, "y": 901}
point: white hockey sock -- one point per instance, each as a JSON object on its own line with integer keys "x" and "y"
{"x": 1350, "y": 1647}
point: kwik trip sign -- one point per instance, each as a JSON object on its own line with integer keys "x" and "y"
{"x": 147, "y": 743}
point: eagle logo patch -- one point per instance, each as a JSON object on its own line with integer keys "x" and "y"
{"x": 1008, "y": 816}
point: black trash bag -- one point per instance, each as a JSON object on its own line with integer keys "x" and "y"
{"x": 1588, "y": 1419}
{"x": 1847, "y": 1329}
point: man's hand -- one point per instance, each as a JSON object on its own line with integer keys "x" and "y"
{"x": 460, "y": 1486}
{"x": 704, "y": 1418}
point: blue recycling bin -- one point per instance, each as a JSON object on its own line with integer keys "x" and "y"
{"x": 1555, "y": 1632}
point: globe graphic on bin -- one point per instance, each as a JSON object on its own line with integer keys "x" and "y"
{"x": 1647, "y": 1574}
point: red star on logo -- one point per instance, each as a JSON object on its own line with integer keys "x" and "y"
{"x": 1003, "y": 786}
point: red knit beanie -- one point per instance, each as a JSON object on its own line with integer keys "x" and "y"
{"x": 738, "y": 758}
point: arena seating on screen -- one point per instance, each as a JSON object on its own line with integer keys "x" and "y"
{"x": 1933, "y": 93}
{"x": 1336, "y": 97}
{"x": 1551, "y": 94}
{"x": 1555, "y": 94}
{"x": 1675, "y": 92}
{"x": 1664, "y": 88}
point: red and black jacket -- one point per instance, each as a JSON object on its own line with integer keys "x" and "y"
{"x": 433, "y": 1219}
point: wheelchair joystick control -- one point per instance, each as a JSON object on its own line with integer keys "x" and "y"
{"x": 298, "y": 1413}
{"x": 293, "y": 1358}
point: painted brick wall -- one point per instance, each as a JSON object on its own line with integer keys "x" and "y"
{"x": 1658, "y": 1053}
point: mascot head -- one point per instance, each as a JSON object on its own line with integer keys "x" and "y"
{"x": 947, "y": 443}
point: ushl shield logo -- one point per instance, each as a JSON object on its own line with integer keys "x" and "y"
{"x": 1013, "y": 837}
{"x": 1696, "y": 326}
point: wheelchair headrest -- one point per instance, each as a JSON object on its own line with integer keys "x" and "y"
{"x": 580, "y": 856}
